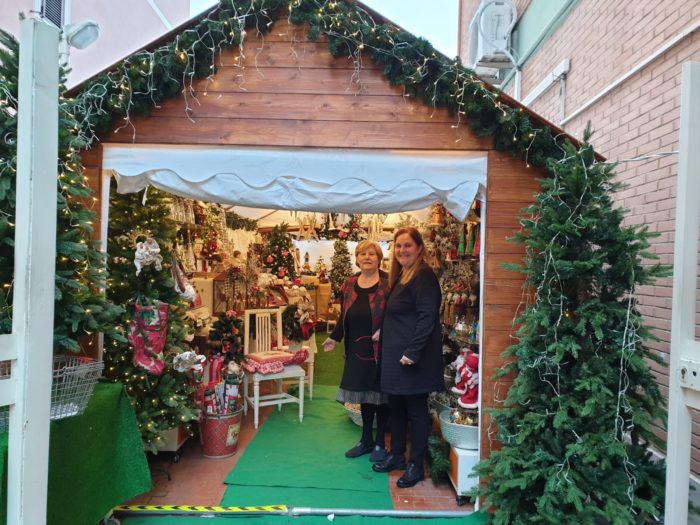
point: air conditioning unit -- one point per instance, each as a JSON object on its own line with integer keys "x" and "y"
{"x": 490, "y": 31}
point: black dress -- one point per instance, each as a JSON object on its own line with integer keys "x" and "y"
{"x": 360, "y": 382}
{"x": 412, "y": 328}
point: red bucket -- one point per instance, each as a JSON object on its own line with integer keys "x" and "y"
{"x": 219, "y": 434}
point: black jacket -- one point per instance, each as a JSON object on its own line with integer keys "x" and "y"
{"x": 412, "y": 328}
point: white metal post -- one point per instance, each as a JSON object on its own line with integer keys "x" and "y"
{"x": 684, "y": 371}
{"x": 34, "y": 283}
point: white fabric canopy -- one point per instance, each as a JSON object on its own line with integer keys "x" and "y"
{"x": 308, "y": 179}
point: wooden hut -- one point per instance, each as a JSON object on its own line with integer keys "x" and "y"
{"x": 286, "y": 91}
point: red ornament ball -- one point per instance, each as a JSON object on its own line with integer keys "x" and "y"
{"x": 270, "y": 258}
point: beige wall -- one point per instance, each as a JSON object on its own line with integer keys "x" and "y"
{"x": 604, "y": 40}
{"x": 138, "y": 25}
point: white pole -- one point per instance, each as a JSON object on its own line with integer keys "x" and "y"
{"x": 34, "y": 284}
{"x": 684, "y": 367}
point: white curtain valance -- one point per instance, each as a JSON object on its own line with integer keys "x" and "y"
{"x": 304, "y": 179}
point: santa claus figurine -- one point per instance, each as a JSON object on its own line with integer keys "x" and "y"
{"x": 467, "y": 379}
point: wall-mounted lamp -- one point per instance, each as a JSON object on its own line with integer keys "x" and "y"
{"x": 82, "y": 34}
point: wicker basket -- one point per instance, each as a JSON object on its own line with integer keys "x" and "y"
{"x": 74, "y": 378}
{"x": 459, "y": 436}
{"x": 355, "y": 415}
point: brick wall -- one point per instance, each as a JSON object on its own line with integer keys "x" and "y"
{"x": 604, "y": 40}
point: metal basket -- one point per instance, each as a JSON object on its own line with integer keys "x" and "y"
{"x": 459, "y": 436}
{"x": 74, "y": 378}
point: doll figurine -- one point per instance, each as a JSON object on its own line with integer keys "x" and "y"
{"x": 467, "y": 379}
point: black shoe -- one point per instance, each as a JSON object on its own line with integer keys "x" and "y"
{"x": 359, "y": 450}
{"x": 412, "y": 476}
{"x": 390, "y": 463}
{"x": 378, "y": 454}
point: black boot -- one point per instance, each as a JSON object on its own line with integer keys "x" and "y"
{"x": 391, "y": 462}
{"x": 359, "y": 450}
{"x": 413, "y": 475}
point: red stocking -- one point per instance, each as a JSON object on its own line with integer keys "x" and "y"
{"x": 147, "y": 334}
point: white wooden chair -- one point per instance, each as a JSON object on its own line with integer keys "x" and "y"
{"x": 264, "y": 320}
{"x": 310, "y": 346}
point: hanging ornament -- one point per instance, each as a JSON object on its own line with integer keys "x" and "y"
{"x": 269, "y": 259}
{"x": 462, "y": 242}
{"x": 147, "y": 253}
{"x": 437, "y": 217}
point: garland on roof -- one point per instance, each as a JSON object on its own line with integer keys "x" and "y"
{"x": 146, "y": 78}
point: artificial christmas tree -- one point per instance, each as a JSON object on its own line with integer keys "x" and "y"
{"x": 278, "y": 257}
{"x": 578, "y": 420}
{"x": 341, "y": 265}
{"x": 81, "y": 307}
{"x": 161, "y": 395}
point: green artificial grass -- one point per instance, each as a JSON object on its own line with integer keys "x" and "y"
{"x": 328, "y": 365}
{"x": 310, "y": 455}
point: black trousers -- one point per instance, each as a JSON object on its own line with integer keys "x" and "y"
{"x": 411, "y": 409}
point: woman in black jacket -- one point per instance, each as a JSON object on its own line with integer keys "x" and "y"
{"x": 362, "y": 310}
{"x": 411, "y": 354}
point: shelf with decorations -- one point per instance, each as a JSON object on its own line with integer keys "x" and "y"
{"x": 455, "y": 247}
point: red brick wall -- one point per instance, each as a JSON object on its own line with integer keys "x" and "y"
{"x": 604, "y": 40}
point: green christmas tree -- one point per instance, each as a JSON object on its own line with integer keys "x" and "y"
{"x": 161, "y": 401}
{"x": 277, "y": 257}
{"x": 81, "y": 307}
{"x": 341, "y": 265}
{"x": 578, "y": 420}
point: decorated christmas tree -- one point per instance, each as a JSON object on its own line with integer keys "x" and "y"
{"x": 141, "y": 282}
{"x": 81, "y": 307}
{"x": 341, "y": 265}
{"x": 277, "y": 257}
{"x": 578, "y": 420}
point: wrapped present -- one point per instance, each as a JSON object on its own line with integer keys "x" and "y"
{"x": 273, "y": 361}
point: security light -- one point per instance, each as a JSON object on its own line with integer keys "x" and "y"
{"x": 82, "y": 34}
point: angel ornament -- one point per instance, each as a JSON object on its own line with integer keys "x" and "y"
{"x": 147, "y": 253}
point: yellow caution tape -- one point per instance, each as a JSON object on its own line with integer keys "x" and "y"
{"x": 200, "y": 509}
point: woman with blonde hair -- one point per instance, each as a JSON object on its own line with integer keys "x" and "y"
{"x": 362, "y": 309}
{"x": 411, "y": 354}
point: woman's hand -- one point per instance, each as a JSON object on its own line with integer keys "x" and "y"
{"x": 375, "y": 336}
{"x": 329, "y": 344}
{"x": 405, "y": 360}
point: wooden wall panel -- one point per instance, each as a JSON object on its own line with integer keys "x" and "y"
{"x": 298, "y": 80}
{"x": 510, "y": 187}
{"x": 289, "y": 54}
{"x": 306, "y": 106}
{"x": 510, "y": 180}
{"x": 283, "y": 31}
{"x": 498, "y": 242}
{"x": 307, "y": 133}
{"x": 505, "y": 215}
{"x": 493, "y": 266}
{"x": 92, "y": 169}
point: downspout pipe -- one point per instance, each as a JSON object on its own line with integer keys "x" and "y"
{"x": 641, "y": 65}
